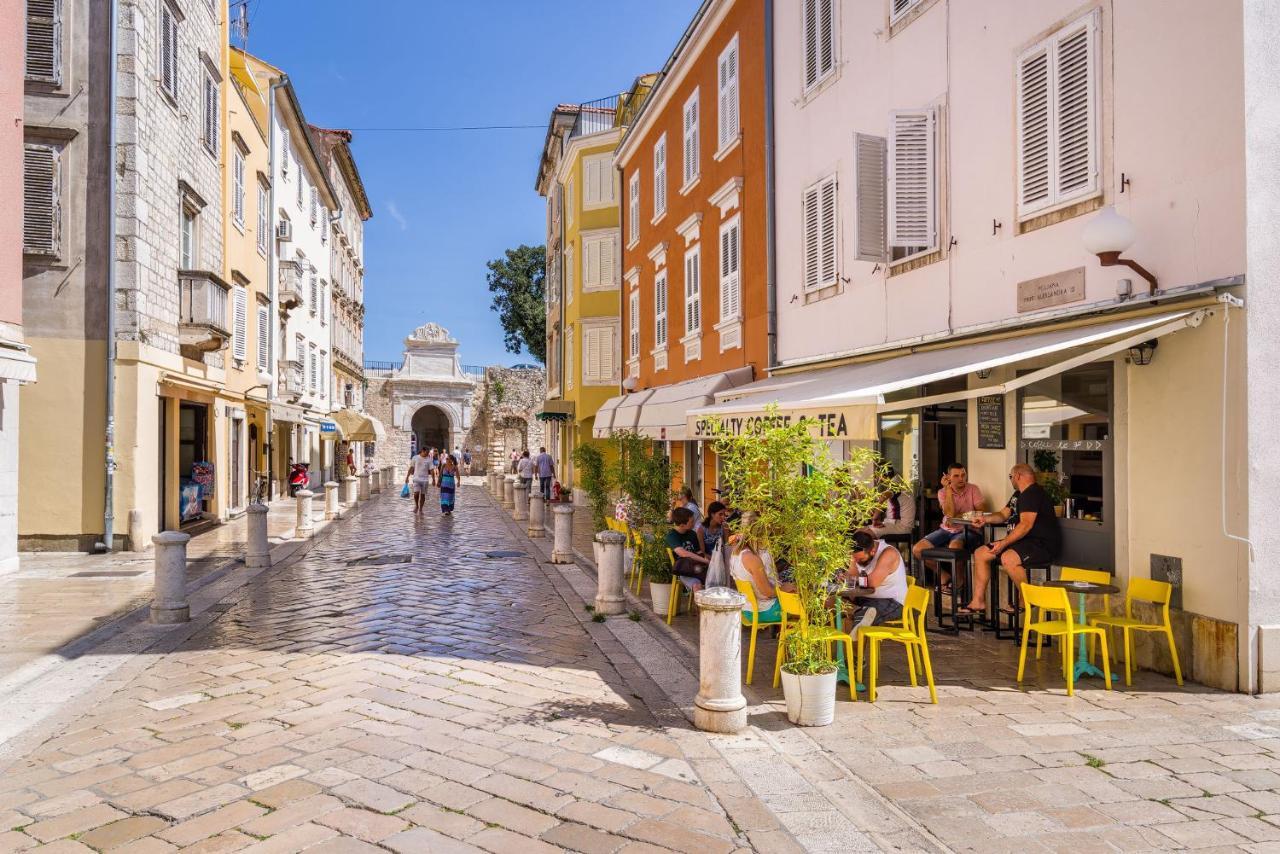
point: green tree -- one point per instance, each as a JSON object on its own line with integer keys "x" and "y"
{"x": 516, "y": 281}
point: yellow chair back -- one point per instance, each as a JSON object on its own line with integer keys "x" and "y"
{"x": 790, "y": 604}
{"x": 1093, "y": 576}
{"x": 1149, "y": 590}
{"x": 671, "y": 556}
{"x": 1046, "y": 598}
{"x": 745, "y": 588}
{"x": 911, "y": 581}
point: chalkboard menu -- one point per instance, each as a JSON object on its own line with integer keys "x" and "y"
{"x": 991, "y": 421}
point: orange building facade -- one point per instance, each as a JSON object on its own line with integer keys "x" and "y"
{"x": 692, "y": 171}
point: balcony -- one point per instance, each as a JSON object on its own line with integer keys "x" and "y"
{"x": 290, "y": 374}
{"x": 595, "y": 116}
{"x": 202, "y": 312}
{"x": 289, "y": 289}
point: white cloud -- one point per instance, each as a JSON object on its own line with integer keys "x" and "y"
{"x": 395, "y": 214}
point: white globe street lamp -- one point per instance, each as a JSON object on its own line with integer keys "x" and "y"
{"x": 1109, "y": 234}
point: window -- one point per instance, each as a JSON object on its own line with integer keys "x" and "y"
{"x": 597, "y": 181}
{"x": 322, "y": 302}
{"x": 240, "y": 322}
{"x": 264, "y": 337}
{"x": 211, "y": 116}
{"x": 599, "y": 363}
{"x": 568, "y": 357}
{"x": 570, "y": 201}
{"x": 728, "y": 95}
{"x": 41, "y": 199}
{"x": 691, "y": 137}
{"x": 314, "y": 283}
{"x": 660, "y": 311}
{"x": 44, "y": 41}
{"x": 599, "y": 261}
{"x": 237, "y": 179}
{"x": 553, "y": 278}
{"x": 301, "y": 354}
{"x": 568, "y": 273}
{"x": 692, "y": 291}
{"x": 730, "y": 270}
{"x": 324, "y": 225}
{"x": 633, "y": 209}
{"x": 660, "y": 178}
{"x": 913, "y": 178}
{"x": 818, "y": 30}
{"x": 633, "y": 317}
{"x": 264, "y": 223}
{"x": 284, "y": 155}
{"x": 302, "y": 180}
{"x": 900, "y": 8}
{"x": 869, "y": 161}
{"x": 187, "y": 247}
{"x": 1057, "y": 118}
{"x": 168, "y": 50}
{"x": 311, "y": 384}
{"x": 820, "y": 235}
{"x": 315, "y": 206}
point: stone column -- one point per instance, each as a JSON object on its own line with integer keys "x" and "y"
{"x": 349, "y": 490}
{"x": 537, "y": 520}
{"x": 331, "y": 499}
{"x": 363, "y": 479}
{"x": 257, "y": 552}
{"x": 495, "y": 485}
{"x": 305, "y": 524}
{"x": 521, "y": 511}
{"x": 720, "y": 706}
{"x": 375, "y": 482}
{"x": 609, "y": 596}
{"x": 562, "y": 548}
{"x": 509, "y": 492}
{"x": 170, "y": 603}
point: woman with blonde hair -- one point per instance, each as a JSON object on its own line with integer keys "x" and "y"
{"x": 755, "y": 566}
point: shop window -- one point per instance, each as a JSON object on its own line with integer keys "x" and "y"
{"x": 1065, "y": 430}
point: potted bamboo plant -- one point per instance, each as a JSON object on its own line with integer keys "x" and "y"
{"x": 806, "y": 503}
{"x": 589, "y": 460}
{"x": 644, "y": 476}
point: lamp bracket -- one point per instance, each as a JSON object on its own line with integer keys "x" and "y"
{"x": 1112, "y": 259}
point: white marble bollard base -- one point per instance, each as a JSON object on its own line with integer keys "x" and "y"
{"x": 170, "y": 603}
{"x": 348, "y": 490}
{"x": 537, "y": 518}
{"x": 509, "y": 492}
{"x": 609, "y": 596}
{"x": 331, "y": 499}
{"x": 520, "y": 512}
{"x": 720, "y": 706}
{"x": 257, "y": 551}
{"x": 305, "y": 524}
{"x": 562, "y": 544}
{"x": 363, "y": 487}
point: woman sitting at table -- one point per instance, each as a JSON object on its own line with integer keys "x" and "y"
{"x": 753, "y": 565}
{"x": 877, "y": 580}
{"x": 713, "y": 527}
{"x": 899, "y": 513}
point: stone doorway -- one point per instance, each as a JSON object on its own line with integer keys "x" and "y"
{"x": 430, "y": 428}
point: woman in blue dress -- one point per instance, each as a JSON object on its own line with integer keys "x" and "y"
{"x": 448, "y": 484}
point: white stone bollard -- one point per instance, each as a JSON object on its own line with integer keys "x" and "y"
{"x": 609, "y": 595}
{"x": 305, "y": 523}
{"x": 257, "y": 552}
{"x": 170, "y": 603}
{"x": 374, "y": 487}
{"x": 363, "y": 478}
{"x": 509, "y": 492}
{"x": 495, "y": 485}
{"x": 349, "y": 490}
{"x": 720, "y": 706}
{"x": 331, "y": 499}
{"x": 521, "y": 511}
{"x": 562, "y": 544}
{"x": 537, "y": 521}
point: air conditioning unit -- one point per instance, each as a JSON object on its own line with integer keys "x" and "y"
{"x": 284, "y": 230}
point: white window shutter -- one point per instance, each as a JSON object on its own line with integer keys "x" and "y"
{"x": 284, "y": 153}
{"x": 238, "y": 191}
{"x": 690, "y": 150}
{"x": 590, "y": 262}
{"x": 1034, "y": 113}
{"x": 1076, "y": 143}
{"x": 692, "y": 293}
{"x": 660, "y": 311}
{"x": 240, "y": 311}
{"x": 727, "y": 81}
{"x": 589, "y": 182}
{"x": 730, "y": 271}
{"x": 607, "y": 367}
{"x": 810, "y": 242}
{"x": 818, "y": 36}
{"x": 41, "y": 208}
{"x": 660, "y": 176}
{"x": 633, "y": 318}
{"x": 168, "y": 50}
{"x": 608, "y": 261}
{"x": 264, "y": 337}
{"x": 913, "y": 180}
{"x": 869, "y": 156}
{"x": 809, "y": 31}
{"x": 44, "y": 41}
{"x": 633, "y": 209}
{"x": 828, "y": 233}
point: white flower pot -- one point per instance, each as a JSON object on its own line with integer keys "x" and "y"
{"x": 628, "y": 559}
{"x": 660, "y": 596}
{"x": 811, "y": 700}
{"x": 598, "y": 548}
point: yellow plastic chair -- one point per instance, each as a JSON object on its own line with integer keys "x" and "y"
{"x": 677, "y": 590}
{"x": 1095, "y": 576}
{"x": 753, "y": 622}
{"x": 1143, "y": 590}
{"x": 1054, "y": 600}
{"x": 791, "y": 608}
{"x": 637, "y": 576}
{"x": 911, "y": 634}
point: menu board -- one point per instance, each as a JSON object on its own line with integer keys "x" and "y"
{"x": 991, "y": 421}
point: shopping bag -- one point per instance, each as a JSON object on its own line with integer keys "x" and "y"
{"x": 718, "y": 570}
{"x": 404, "y": 491}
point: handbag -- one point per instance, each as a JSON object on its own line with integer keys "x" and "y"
{"x": 717, "y": 570}
{"x": 404, "y": 491}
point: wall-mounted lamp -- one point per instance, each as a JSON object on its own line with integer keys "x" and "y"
{"x": 1143, "y": 353}
{"x": 983, "y": 373}
{"x": 1107, "y": 235}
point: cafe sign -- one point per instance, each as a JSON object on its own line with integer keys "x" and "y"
{"x": 855, "y": 422}
{"x": 1048, "y": 291}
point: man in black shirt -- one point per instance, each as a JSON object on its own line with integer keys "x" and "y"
{"x": 1034, "y": 538}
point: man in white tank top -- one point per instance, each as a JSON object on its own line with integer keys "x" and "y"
{"x": 878, "y": 581}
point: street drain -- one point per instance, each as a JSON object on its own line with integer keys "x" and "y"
{"x": 120, "y": 573}
{"x": 498, "y": 554}
{"x": 379, "y": 560}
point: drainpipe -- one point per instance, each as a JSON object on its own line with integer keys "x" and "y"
{"x": 273, "y": 364}
{"x": 770, "y": 219}
{"x": 106, "y": 544}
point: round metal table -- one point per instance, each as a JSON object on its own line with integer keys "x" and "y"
{"x": 1084, "y": 588}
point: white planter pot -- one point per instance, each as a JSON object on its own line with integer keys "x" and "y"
{"x": 811, "y": 700}
{"x": 598, "y": 548}
{"x": 628, "y": 558}
{"x": 660, "y": 596}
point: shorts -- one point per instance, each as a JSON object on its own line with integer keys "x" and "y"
{"x": 942, "y": 538}
{"x": 772, "y": 614}
{"x": 419, "y": 485}
{"x": 1032, "y": 553}
{"x": 886, "y": 610}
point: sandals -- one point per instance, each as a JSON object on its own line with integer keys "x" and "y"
{"x": 966, "y": 611}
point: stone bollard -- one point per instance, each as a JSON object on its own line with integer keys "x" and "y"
{"x": 374, "y": 488}
{"x": 305, "y": 523}
{"x": 257, "y": 552}
{"x": 349, "y": 490}
{"x": 720, "y": 706}
{"x": 495, "y": 487}
{"x": 609, "y": 596}
{"x": 521, "y": 511}
{"x": 363, "y": 478}
{"x": 537, "y": 520}
{"x": 509, "y": 492}
{"x": 389, "y": 478}
{"x": 331, "y": 500}
{"x": 170, "y": 603}
{"x": 562, "y": 544}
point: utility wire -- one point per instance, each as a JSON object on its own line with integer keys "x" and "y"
{"x": 445, "y": 128}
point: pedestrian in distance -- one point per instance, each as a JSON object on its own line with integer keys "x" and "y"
{"x": 545, "y": 467}
{"x": 448, "y": 484}
{"x": 418, "y": 477}
{"x": 524, "y": 469}
{"x": 466, "y": 462}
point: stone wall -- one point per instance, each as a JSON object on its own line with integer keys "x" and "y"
{"x": 397, "y": 449}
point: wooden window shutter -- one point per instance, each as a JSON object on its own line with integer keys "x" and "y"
{"x": 264, "y": 337}
{"x": 1076, "y": 83}
{"x": 238, "y": 192}
{"x": 211, "y": 116}
{"x": 660, "y": 310}
{"x": 1034, "y": 155}
{"x": 810, "y": 242}
{"x": 633, "y": 318}
{"x": 315, "y": 292}
{"x": 869, "y": 157}
{"x": 828, "y": 233}
{"x": 168, "y": 50}
{"x": 819, "y": 47}
{"x": 660, "y": 176}
{"x": 692, "y": 293}
{"x": 633, "y": 210}
{"x": 913, "y": 180}
{"x": 240, "y": 320}
{"x": 590, "y": 262}
{"x": 284, "y": 153}
{"x": 728, "y": 94}
{"x": 690, "y": 149}
{"x": 41, "y": 203}
{"x": 44, "y": 41}
{"x": 730, "y": 269}
{"x": 900, "y": 8}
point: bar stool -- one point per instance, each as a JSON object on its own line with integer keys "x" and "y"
{"x": 1014, "y": 597}
{"x": 952, "y": 558}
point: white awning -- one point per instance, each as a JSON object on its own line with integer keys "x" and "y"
{"x": 660, "y": 412}
{"x": 843, "y": 402}
{"x": 17, "y": 363}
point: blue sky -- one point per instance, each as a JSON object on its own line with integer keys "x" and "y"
{"x": 445, "y": 203}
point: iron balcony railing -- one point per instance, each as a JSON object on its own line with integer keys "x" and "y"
{"x": 596, "y": 116}
{"x": 473, "y": 370}
{"x": 375, "y": 365}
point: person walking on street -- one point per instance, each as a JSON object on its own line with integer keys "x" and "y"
{"x": 546, "y": 469}
{"x": 418, "y": 477}
{"x": 524, "y": 469}
{"x": 448, "y": 484}
{"x": 466, "y": 462}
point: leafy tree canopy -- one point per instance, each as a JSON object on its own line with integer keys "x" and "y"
{"x": 516, "y": 281}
